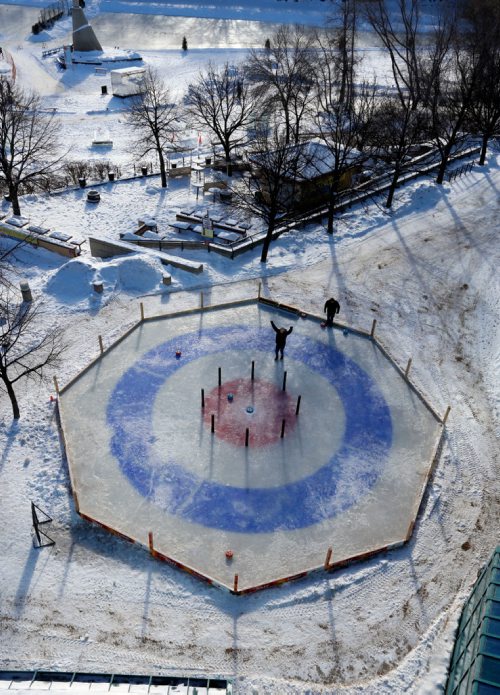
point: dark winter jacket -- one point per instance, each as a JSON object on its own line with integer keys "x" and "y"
{"x": 281, "y": 335}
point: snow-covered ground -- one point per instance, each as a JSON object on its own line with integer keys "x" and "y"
{"x": 428, "y": 271}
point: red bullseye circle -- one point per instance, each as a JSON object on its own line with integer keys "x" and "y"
{"x": 271, "y": 405}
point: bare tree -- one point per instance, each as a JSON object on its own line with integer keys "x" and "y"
{"x": 448, "y": 102}
{"x": 484, "y": 108}
{"x": 398, "y": 32}
{"x": 344, "y": 33}
{"x": 282, "y": 77}
{"x": 344, "y": 113}
{"x": 482, "y": 39}
{"x": 268, "y": 192}
{"x": 154, "y": 118}
{"x": 26, "y": 350}
{"x": 28, "y": 142}
{"x": 220, "y": 100}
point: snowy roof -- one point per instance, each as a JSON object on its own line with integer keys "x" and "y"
{"x": 311, "y": 159}
{"x": 127, "y": 71}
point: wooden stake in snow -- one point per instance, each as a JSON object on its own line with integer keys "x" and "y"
{"x": 142, "y": 311}
{"x": 201, "y": 300}
{"x": 298, "y": 405}
{"x": 407, "y": 370}
{"x": 328, "y": 558}
{"x": 235, "y": 584}
{"x": 150, "y": 541}
{"x": 101, "y": 346}
{"x": 372, "y": 332}
{"x": 446, "y": 415}
{"x": 56, "y": 385}
{"x": 202, "y": 398}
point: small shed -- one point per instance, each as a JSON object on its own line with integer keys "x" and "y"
{"x": 127, "y": 82}
{"x": 309, "y": 173}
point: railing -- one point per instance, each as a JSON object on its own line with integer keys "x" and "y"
{"x": 465, "y": 169}
{"x": 52, "y": 51}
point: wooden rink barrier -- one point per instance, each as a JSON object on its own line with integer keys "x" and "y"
{"x": 237, "y": 585}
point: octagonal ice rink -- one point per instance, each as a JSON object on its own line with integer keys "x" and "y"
{"x": 348, "y": 473}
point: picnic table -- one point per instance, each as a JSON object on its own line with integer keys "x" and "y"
{"x": 197, "y": 185}
{"x": 36, "y": 229}
{"x": 17, "y": 221}
{"x": 181, "y": 226}
{"x": 228, "y": 236}
{"x": 78, "y": 243}
{"x": 60, "y": 236}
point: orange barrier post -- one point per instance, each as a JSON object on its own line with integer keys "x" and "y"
{"x": 150, "y": 542}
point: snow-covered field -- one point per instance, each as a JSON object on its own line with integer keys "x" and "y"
{"x": 428, "y": 272}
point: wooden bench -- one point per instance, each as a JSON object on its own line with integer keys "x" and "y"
{"x": 40, "y": 241}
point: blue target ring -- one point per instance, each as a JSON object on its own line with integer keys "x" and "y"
{"x": 357, "y": 463}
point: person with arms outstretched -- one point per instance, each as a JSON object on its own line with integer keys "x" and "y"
{"x": 281, "y": 336}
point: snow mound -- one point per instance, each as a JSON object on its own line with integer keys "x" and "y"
{"x": 152, "y": 190}
{"x": 71, "y": 283}
{"x": 132, "y": 274}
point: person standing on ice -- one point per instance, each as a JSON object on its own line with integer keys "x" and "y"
{"x": 281, "y": 336}
{"x": 332, "y": 307}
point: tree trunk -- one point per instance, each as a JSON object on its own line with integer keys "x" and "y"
{"x": 287, "y": 127}
{"x": 444, "y": 163}
{"x": 484, "y": 147}
{"x": 13, "y": 194}
{"x": 392, "y": 188}
{"x": 163, "y": 170}
{"x": 13, "y": 399}
{"x": 227, "y": 154}
{"x": 331, "y": 211}
{"x": 441, "y": 171}
{"x": 267, "y": 242}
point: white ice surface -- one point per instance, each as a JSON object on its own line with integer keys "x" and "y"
{"x": 380, "y": 517}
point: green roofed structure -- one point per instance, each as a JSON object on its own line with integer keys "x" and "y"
{"x": 475, "y": 664}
